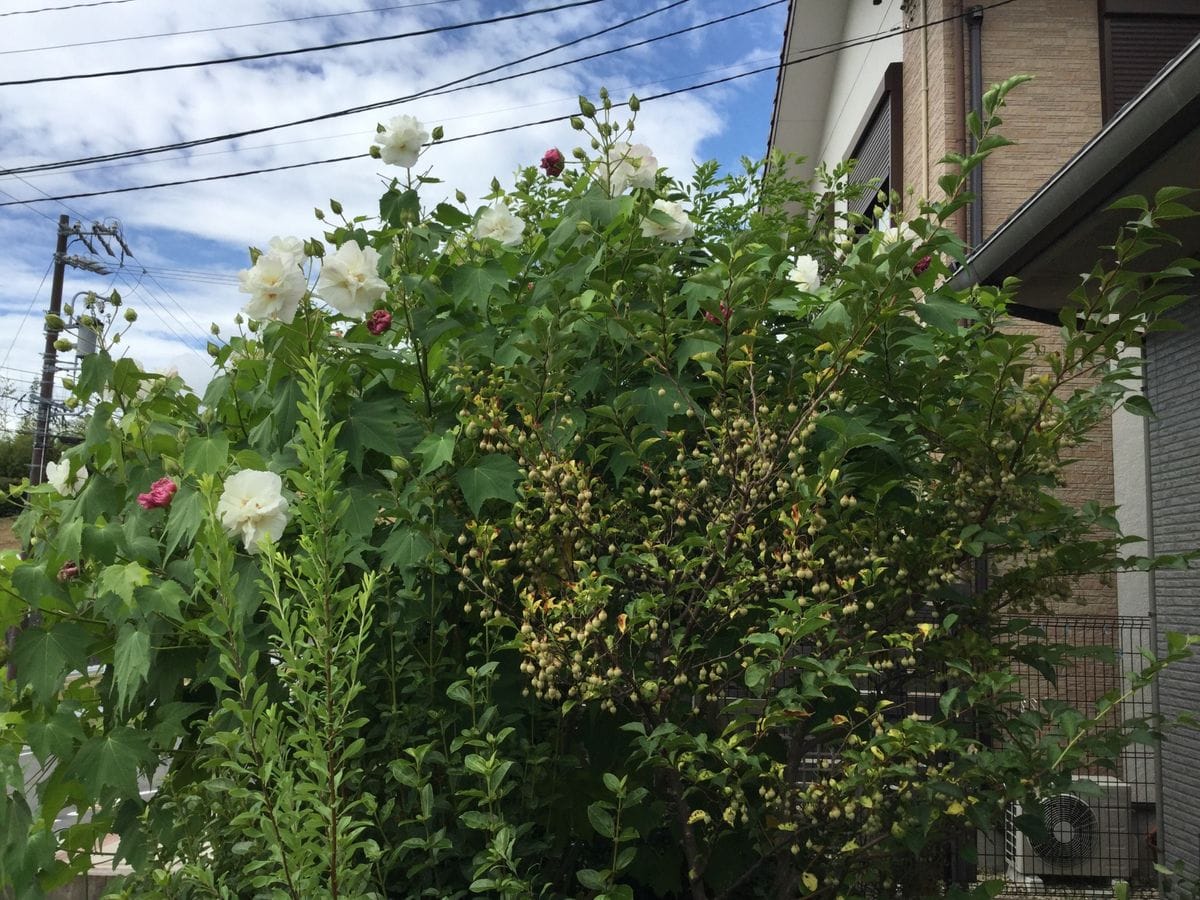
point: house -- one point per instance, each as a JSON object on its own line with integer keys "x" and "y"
{"x": 1101, "y": 119}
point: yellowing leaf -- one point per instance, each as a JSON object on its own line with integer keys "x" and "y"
{"x": 810, "y": 881}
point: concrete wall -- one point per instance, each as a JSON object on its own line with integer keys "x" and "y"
{"x": 1173, "y": 386}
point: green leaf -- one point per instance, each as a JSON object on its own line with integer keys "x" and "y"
{"x": 833, "y": 315}
{"x": 99, "y": 543}
{"x": 1139, "y": 405}
{"x": 400, "y": 208}
{"x": 56, "y": 736}
{"x": 405, "y": 548}
{"x": 44, "y": 656}
{"x": 943, "y": 314}
{"x": 123, "y": 580}
{"x": 591, "y": 879}
{"x": 372, "y": 425}
{"x": 93, "y": 374}
{"x": 451, "y": 216}
{"x": 183, "y": 520}
{"x": 111, "y": 761}
{"x": 493, "y": 479}
{"x": 205, "y": 455}
{"x": 472, "y": 286}
{"x": 601, "y": 819}
{"x": 436, "y": 450}
{"x": 131, "y": 661}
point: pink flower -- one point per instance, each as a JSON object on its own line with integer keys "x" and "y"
{"x": 159, "y": 496}
{"x": 379, "y": 321}
{"x": 922, "y": 264}
{"x": 69, "y": 571}
{"x": 552, "y": 162}
{"x": 726, "y": 312}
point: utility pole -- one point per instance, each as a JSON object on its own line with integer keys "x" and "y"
{"x": 41, "y": 432}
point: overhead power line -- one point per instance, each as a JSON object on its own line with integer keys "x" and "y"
{"x": 168, "y": 34}
{"x": 45, "y": 9}
{"x": 775, "y": 67}
{"x": 277, "y": 54}
{"x": 449, "y": 87}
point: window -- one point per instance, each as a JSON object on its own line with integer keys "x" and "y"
{"x": 1138, "y": 38}
{"x": 879, "y": 146}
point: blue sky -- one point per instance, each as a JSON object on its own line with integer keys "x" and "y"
{"x": 189, "y": 241}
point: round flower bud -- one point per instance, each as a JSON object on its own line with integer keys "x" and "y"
{"x": 130, "y": 315}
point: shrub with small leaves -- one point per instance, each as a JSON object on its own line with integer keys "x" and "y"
{"x": 597, "y": 541}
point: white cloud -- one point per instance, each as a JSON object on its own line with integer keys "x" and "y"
{"x": 208, "y": 226}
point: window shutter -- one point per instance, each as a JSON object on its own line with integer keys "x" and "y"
{"x": 1137, "y": 47}
{"x": 874, "y": 155}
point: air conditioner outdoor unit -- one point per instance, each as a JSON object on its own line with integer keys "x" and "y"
{"x": 1087, "y": 835}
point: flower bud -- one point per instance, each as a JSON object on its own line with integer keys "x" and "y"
{"x": 130, "y": 315}
{"x": 54, "y": 323}
{"x": 214, "y": 328}
{"x": 335, "y": 207}
{"x": 634, "y": 103}
{"x": 460, "y": 196}
{"x": 212, "y": 349}
{"x": 438, "y": 132}
{"x": 577, "y": 123}
{"x": 63, "y": 344}
{"x": 379, "y": 321}
{"x": 587, "y": 107}
{"x": 553, "y": 162}
{"x": 319, "y": 213}
{"x": 374, "y": 151}
{"x": 583, "y": 227}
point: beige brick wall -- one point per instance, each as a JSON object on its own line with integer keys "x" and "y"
{"x": 1088, "y": 477}
{"x": 932, "y": 97}
{"x": 1056, "y": 41}
{"x": 1051, "y": 118}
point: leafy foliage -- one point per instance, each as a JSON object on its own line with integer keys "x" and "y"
{"x": 614, "y": 569}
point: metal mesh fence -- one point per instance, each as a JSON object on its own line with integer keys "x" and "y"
{"x": 1100, "y": 830}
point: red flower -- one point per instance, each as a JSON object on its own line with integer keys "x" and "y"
{"x": 159, "y": 496}
{"x": 552, "y": 162}
{"x": 922, "y": 264}
{"x": 379, "y": 321}
{"x": 69, "y": 571}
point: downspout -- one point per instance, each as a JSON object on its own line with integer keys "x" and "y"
{"x": 925, "y": 99}
{"x": 966, "y": 869}
{"x": 1160, "y": 850}
{"x": 975, "y": 101}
